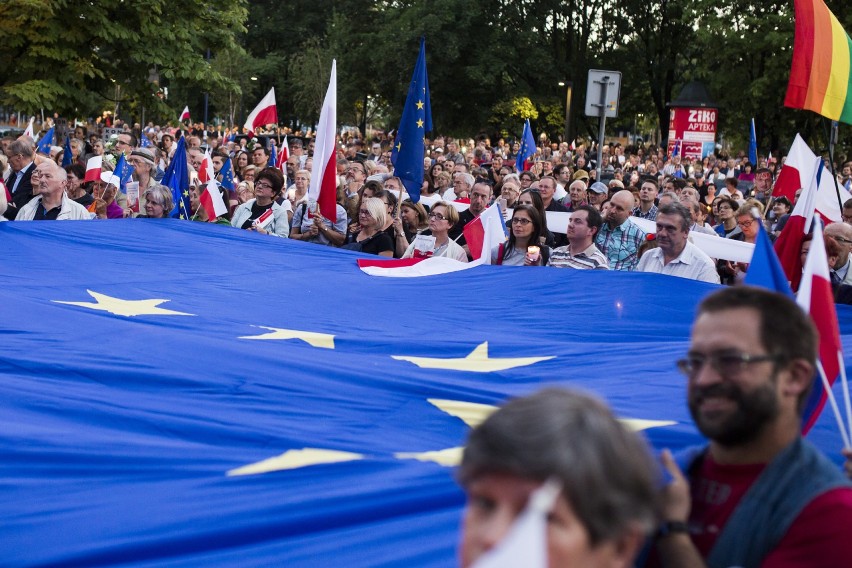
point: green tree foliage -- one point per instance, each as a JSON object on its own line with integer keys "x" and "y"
{"x": 73, "y": 56}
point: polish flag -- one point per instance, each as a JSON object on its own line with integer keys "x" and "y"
{"x": 484, "y": 233}
{"x": 264, "y": 113}
{"x": 323, "y": 188}
{"x": 185, "y": 114}
{"x": 211, "y": 197}
{"x": 93, "y": 168}
{"x": 816, "y": 298}
{"x": 789, "y": 243}
{"x": 283, "y": 155}
{"x": 797, "y": 171}
{"x": 29, "y": 130}
{"x": 412, "y": 267}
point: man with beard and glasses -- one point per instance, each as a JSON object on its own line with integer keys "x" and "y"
{"x": 759, "y": 494}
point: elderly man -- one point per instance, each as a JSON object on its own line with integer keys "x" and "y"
{"x": 144, "y": 163}
{"x": 619, "y": 239}
{"x": 598, "y": 193}
{"x": 647, "y": 196}
{"x": 758, "y": 494}
{"x": 581, "y": 252}
{"x": 699, "y": 215}
{"x": 599, "y": 480}
{"x": 51, "y": 203}
{"x": 462, "y": 184}
{"x": 842, "y": 234}
{"x": 577, "y": 195}
{"x": 480, "y": 197}
{"x": 19, "y": 183}
{"x": 676, "y": 256}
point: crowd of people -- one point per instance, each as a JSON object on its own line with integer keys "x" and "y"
{"x": 718, "y": 195}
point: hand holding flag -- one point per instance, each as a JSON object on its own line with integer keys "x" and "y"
{"x": 323, "y": 188}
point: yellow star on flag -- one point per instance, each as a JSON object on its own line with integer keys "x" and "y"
{"x": 127, "y": 308}
{"x": 419, "y": 104}
{"x": 477, "y": 361}
{"x": 398, "y": 146}
{"x": 323, "y": 340}
{"x": 419, "y": 123}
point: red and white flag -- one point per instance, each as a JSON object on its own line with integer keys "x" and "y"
{"x": 283, "y": 155}
{"x": 266, "y": 112}
{"x": 796, "y": 173}
{"x": 789, "y": 243}
{"x": 816, "y": 298}
{"x": 484, "y": 233}
{"x": 211, "y": 197}
{"x": 185, "y": 114}
{"x": 29, "y": 131}
{"x": 94, "y": 165}
{"x": 323, "y": 188}
{"x": 412, "y": 267}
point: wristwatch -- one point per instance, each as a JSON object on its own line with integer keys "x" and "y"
{"x": 667, "y": 528}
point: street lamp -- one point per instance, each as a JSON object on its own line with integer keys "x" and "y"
{"x": 568, "y": 92}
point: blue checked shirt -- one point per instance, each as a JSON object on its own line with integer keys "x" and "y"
{"x": 620, "y": 245}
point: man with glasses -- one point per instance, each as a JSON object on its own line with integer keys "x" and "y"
{"x": 675, "y": 255}
{"x": 846, "y": 212}
{"x": 758, "y": 494}
{"x": 125, "y": 143}
{"x": 842, "y": 234}
{"x": 19, "y": 182}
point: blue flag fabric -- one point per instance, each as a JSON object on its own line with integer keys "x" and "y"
{"x": 144, "y": 141}
{"x": 527, "y": 147}
{"x": 163, "y": 404}
{"x": 176, "y": 178}
{"x": 408, "y": 149}
{"x": 227, "y": 174}
{"x": 67, "y": 155}
{"x": 765, "y": 269}
{"x": 752, "y": 145}
{"x": 123, "y": 170}
{"x": 273, "y": 155}
{"x": 45, "y": 142}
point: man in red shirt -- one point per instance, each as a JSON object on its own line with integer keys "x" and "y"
{"x": 758, "y": 494}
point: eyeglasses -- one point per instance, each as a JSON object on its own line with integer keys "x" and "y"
{"x": 842, "y": 240}
{"x": 365, "y": 212}
{"x": 520, "y": 221}
{"x": 262, "y": 184}
{"x": 437, "y": 216}
{"x": 745, "y": 224}
{"x": 726, "y": 364}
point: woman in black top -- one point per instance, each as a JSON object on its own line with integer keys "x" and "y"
{"x": 372, "y": 216}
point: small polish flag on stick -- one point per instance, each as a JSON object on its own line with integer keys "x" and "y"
{"x": 93, "y": 168}
{"x": 283, "y": 155}
{"x": 211, "y": 198}
{"x": 29, "y": 130}
{"x": 185, "y": 114}
{"x": 266, "y": 112}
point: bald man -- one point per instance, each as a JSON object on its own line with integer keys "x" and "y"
{"x": 619, "y": 238}
{"x": 51, "y": 203}
{"x": 842, "y": 234}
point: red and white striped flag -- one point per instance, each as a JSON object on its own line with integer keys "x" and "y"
{"x": 789, "y": 243}
{"x": 266, "y": 112}
{"x": 29, "y": 131}
{"x": 283, "y": 155}
{"x": 211, "y": 197}
{"x": 94, "y": 165}
{"x": 323, "y": 188}
{"x": 816, "y": 298}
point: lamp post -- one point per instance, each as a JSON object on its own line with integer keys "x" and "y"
{"x": 569, "y": 88}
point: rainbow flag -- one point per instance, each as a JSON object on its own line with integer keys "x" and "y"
{"x": 819, "y": 79}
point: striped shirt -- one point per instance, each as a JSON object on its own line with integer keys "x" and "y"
{"x": 620, "y": 245}
{"x": 651, "y": 214}
{"x": 589, "y": 259}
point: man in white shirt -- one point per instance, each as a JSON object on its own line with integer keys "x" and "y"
{"x": 676, "y": 256}
{"x": 842, "y": 234}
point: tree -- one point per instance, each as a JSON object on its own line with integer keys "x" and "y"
{"x": 77, "y": 55}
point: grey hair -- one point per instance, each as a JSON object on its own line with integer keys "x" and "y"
{"x": 678, "y": 210}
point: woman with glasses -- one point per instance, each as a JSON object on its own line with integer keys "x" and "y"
{"x": 372, "y": 216}
{"x": 267, "y": 187}
{"x": 533, "y": 197}
{"x": 441, "y": 219}
{"x": 524, "y": 246}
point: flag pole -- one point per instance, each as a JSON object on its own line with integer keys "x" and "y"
{"x": 845, "y": 384}
{"x": 832, "y": 140}
{"x": 833, "y": 402}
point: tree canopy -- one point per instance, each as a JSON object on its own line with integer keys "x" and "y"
{"x": 491, "y": 63}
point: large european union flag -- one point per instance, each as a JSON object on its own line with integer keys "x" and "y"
{"x": 408, "y": 149}
{"x": 188, "y": 394}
